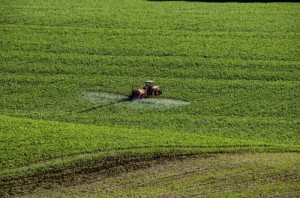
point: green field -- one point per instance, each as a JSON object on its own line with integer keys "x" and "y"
{"x": 235, "y": 67}
{"x": 215, "y": 176}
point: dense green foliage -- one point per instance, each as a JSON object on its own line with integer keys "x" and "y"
{"x": 236, "y": 64}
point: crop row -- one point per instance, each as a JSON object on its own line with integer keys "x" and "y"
{"x": 172, "y": 67}
{"x": 153, "y": 44}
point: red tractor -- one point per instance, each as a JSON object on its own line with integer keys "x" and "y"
{"x": 148, "y": 91}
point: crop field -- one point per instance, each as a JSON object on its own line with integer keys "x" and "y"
{"x": 230, "y": 75}
{"x": 214, "y": 176}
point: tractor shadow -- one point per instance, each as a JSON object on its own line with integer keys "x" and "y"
{"x": 123, "y": 100}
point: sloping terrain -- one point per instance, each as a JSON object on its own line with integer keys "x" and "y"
{"x": 234, "y": 67}
{"x": 43, "y": 154}
{"x": 25, "y": 141}
{"x": 219, "y": 175}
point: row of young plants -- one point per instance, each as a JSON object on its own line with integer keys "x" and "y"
{"x": 173, "y": 66}
{"x": 124, "y": 43}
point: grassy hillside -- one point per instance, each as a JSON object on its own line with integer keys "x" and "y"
{"x": 25, "y": 141}
{"x": 239, "y": 175}
{"x": 48, "y": 153}
{"x": 235, "y": 66}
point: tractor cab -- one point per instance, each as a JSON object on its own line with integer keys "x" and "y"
{"x": 148, "y": 87}
{"x": 149, "y": 83}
